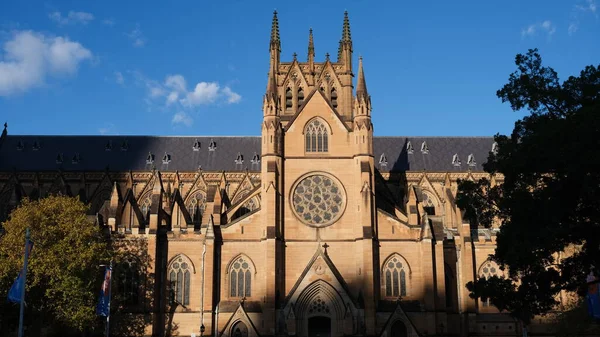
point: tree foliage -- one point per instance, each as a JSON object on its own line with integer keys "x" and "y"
{"x": 548, "y": 205}
{"x": 63, "y": 276}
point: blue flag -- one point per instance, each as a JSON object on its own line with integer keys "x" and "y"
{"x": 14, "y": 294}
{"x": 593, "y": 296}
{"x": 103, "y": 307}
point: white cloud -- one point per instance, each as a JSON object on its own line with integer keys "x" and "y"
{"x": 232, "y": 97}
{"x": 573, "y": 28}
{"x": 137, "y": 37}
{"x": 108, "y": 129}
{"x": 203, "y": 93}
{"x": 108, "y": 22}
{"x": 589, "y": 6}
{"x": 182, "y": 118}
{"x": 119, "y": 77}
{"x": 532, "y": 29}
{"x": 174, "y": 90}
{"x": 30, "y": 57}
{"x": 71, "y": 18}
{"x": 176, "y": 82}
{"x": 579, "y": 10}
{"x": 173, "y": 97}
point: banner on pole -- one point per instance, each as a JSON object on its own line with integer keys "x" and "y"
{"x": 104, "y": 300}
{"x": 14, "y": 294}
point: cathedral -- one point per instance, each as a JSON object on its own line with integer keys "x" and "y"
{"x": 314, "y": 228}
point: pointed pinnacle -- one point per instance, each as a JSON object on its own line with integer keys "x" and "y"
{"x": 275, "y": 42}
{"x": 361, "y": 83}
{"x": 311, "y": 44}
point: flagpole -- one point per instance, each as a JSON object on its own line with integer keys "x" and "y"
{"x": 22, "y": 309}
{"x": 109, "y": 297}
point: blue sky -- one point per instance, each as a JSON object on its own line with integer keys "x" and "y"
{"x": 432, "y": 67}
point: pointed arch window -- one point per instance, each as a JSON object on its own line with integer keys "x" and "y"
{"x": 316, "y": 136}
{"x": 300, "y": 96}
{"x": 248, "y": 207}
{"x": 179, "y": 280}
{"x": 394, "y": 276}
{"x": 129, "y": 281}
{"x": 489, "y": 269}
{"x": 195, "y": 206}
{"x": 334, "y": 98}
{"x": 146, "y": 208}
{"x": 289, "y": 99}
{"x": 240, "y": 278}
{"x": 428, "y": 204}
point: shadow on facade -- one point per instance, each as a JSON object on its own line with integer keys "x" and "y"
{"x": 139, "y": 289}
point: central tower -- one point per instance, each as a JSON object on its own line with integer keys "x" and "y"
{"x": 318, "y": 192}
{"x": 293, "y": 81}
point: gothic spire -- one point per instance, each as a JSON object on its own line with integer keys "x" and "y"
{"x": 275, "y": 42}
{"x": 311, "y": 46}
{"x": 346, "y": 30}
{"x": 345, "y": 41}
{"x": 275, "y": 49}
{"x": 361, "y": 84}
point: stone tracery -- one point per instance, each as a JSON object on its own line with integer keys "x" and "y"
{"x": 318, "y": 200}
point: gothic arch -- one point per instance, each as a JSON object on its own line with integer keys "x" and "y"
{"x": 404, "y": 261}
{"x": 239, "y": 329}
{"x": 240, "y": 276}
{"x": 320, "y": 119}
{"x": 316, "y": 135}
{"x": 239, "y": 195}
{"x": 192, "y": 200}
{"x": 395, "y": 276}
{"x": 230, "y": 263}
{"x": 430, "y": 202}
{"x": 486, "y": 270}
{"x": 489, "y": 268}
{"x": 185, "y": 257}
{"x": 320, "y": 292}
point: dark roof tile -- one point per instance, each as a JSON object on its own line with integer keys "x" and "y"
{"x": 17, "y": 153}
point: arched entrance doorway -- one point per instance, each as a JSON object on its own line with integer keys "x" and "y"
{"x": 239, "y": 330}
{"x": 398, "y": 330}
{"x": 319, "y": 326}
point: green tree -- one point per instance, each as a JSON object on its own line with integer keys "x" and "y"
{"x": 63, "y": 277}
{"x": 549, "y": 202}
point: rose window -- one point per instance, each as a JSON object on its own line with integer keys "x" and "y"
{"x": 318, "y": 200}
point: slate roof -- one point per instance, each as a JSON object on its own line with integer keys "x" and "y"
{"x": 17, "y": 153}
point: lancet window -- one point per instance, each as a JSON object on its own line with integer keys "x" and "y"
{"x": 195, "y": 206}
{"x": 146, "y": 207}
{"x": 334, "y": 98}
{"x": 300, "y": 96}
{"x": 289, "y": 99}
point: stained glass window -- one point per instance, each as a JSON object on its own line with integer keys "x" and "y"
{"x": 316, "y": 136}
{"x": 179, "y": 278}
{"x": 395, "y": 277}
{"x": 240, "y": 278}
